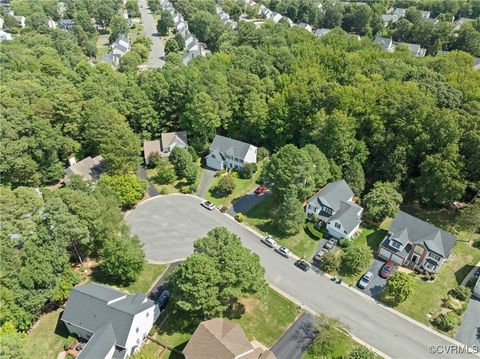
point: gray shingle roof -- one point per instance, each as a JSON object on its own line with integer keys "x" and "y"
{"x": 93, "y": 306}
{"x": 228, "y": 145}
{"x": 89, "y": 168}
{"x": 333, "y": 194}
{"x": 99, "y": 344}
{"x": 407, "y": 228}
{"x": 347, "y": 215}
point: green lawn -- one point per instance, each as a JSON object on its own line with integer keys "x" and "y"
{"x": 343, "y": 346}
{"x": 242, "y": 186}
{"x": 49, "y": 335}
{"x": 302, "y": 244}
{"x": 262, "y": 319}
{"x": 427, "y": 297}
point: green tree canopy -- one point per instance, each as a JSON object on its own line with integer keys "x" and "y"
{"x": 382, "y": 201}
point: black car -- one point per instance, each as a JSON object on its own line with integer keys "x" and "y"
{"x": 303, "y": 265}
{"x": 163, "y": 299}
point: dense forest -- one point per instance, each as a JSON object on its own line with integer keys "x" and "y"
{"x": 375, "y": 116}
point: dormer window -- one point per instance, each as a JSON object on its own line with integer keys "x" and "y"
{"x": 434, "y": 256}
{"x": 395, "y": 244}
{"x": 337, "y": 225}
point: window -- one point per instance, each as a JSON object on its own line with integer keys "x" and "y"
{"x": 418, "y": 250}
{"x": 395, "y": 244}
{"x": 137, "y": 330}
{"x": 213, "y": 156}
{"x": 430, "y": 266}
{"x": 148, "y": 314}
{"x": 434, "y": 256}
{"x": 337, "y": 225}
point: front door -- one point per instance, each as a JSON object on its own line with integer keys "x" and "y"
{"x": 414, "y": 258}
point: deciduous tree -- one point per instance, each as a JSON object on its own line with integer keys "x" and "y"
{"x": 382, "y": 201}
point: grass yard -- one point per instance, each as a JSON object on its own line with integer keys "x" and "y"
{"x": 174, "y": 187}
{"x": 342, "y": 347}
{"x": 427, "y": 296}
{"x": 148, "y": 277}
{"x": 48, "y": 337}
{"x": 262, "y": 319}
{"x": 242, "y": 186}
{"x": 302, "y": 244}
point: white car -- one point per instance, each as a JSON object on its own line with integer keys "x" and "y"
{"x": 319, "y": 255}
{"x": 283, "y": 251}
{"x": 365, "y": 281}
{"x": 208, "y": 205}
{"x": 268, "y": 240}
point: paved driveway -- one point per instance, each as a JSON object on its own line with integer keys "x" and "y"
{"x": 378, "y": 283}
{"x": 297, "y": 339}
{"x": 207, "y": 178}
{"x": 168, "y": 225}
{"x": 469, "y": 331}
{"x": 157, "y": 53}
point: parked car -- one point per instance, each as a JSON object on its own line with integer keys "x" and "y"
{"x": 260, "y": 190}
{"x": 269, "y": 241}
{"x": 317, "y": 257}
{"x": 387, "y": 269}
{"x": 163, "y": 299}
{"x": 365, "y": 280}
{"x": 303, "y": 265}
{"x": 330, "y": 243}
{"x": 208, "y": 205}
{"x": 283, "y": 251}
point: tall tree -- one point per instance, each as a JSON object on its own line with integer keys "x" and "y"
{"x": 320, "y": 164}
{"x": 289, "y": 216}
{"x": 382, "y": 201}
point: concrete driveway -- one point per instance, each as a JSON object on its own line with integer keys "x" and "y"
{"x": 378, "y": 283}
{"x": 157, "y": 54}
{"x": 469, "y": 331}
{"x": 168, "y": 225}
{"x": 297, "y": 339}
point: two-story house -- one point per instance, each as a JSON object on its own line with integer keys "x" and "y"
{"x": 413, "y": 243}
{"x": 115, "y": 324}
{"x": 227, "y": 153}
{"x": 164, "y": 146}
{"x": 334, "y": 206}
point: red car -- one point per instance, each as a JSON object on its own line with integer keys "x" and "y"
{"x": 387, "y": 269}
{"x": 260, "y": 190}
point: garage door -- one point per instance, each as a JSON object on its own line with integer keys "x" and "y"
{"x": 396, "y": 259}
{"x": 385, "y": 254}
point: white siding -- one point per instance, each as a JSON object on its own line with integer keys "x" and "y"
{"x": 144, "y": 323}
{"x": 336, "y": 232}
{"x": 213, "y": 163}
{"x": 251, "y": 156}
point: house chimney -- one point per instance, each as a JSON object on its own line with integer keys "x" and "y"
{"x": 71, "y": 160}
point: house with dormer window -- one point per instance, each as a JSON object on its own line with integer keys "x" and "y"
{"x": 415, "y": 244}
{"x": 334, "y": 206}
{"x": 228, "y": 154}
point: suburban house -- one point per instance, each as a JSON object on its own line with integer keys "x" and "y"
{"x": 276, "y": 17}
{"x": 385, "y": 42}
{"x": 115, "y": 324}
{"x": 415, "y": 244}
{"x": 5, "y": 36}
{"x": 305, "y": 26}
{"x": 220, "y": 339}
{"x": 20, "y": 21}
{"x": 415, "y": 49}
{"x": 334, "y": 206}
{"x": 460, "y": 22}
{"x": 322, "y": 32}
{"x": 227, "y": 153}
{"x": 121, "y": 45}
{"x": 66, "y": 24}
{"x": 164, "y": 146}
{"x": 89, "y": 168}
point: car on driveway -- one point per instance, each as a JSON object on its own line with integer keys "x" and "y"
{"x": 284, "y": 251}
{"x": 269, "y": 241}
{"x": 330, "y": 243}
{"x": 163, "y": 299}
{"x": 303, "y": 265}
{"x": 365, "y": 280}
{"x": 317, "y": 257}
{"x": 387, "y": 269}
{"x": 260, "y": 190}
{"x": 208, "y": 205}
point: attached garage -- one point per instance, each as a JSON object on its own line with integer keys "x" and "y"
{"x": 387, "y": 255}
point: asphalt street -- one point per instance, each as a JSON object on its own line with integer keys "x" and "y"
{"x": 168, "y": 225}
{"x": 469, "y": 331}
{"x": 157, "y": 53}
{"x": 297, "y": 339}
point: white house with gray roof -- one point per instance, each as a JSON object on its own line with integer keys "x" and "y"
{"x": 227, "y": 153}
{"x": 334, "y": 206}
{"x": 415, "y": 244}
{"x": 114, "y": 323}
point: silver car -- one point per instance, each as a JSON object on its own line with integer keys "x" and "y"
{"x": 319, "y": 255}
{"x": 365, "y": 280}
{"x": 284, "y": 251}
{"x": 268, "y": 241}
{"x": 330, "y": 244}
{"x": 208, "y": 205}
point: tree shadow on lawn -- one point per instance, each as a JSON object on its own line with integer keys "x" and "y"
{"x": 61, "y": 329}
{"x": 100, "y": 277}
{"x": 463, "y": 272}
{"x": 375, "y": 238}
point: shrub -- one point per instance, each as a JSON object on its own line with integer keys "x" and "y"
{"x": 163, "y": 190}
{"x": 154, "y": 159}
{"x": 248, "y": 170}
{"x": 188, "y": 189}
{"x": 193, "y": 153}
{"x": 345, "y": 243}
{"x": 262, "y": 153}
{"x": 220, "y": 173}
{"x": 356, "y": 259}
{"x": 225, "y": 186}
{"x": 446, "y": 321}
{"x": 165, "y": 175}
{"x": 461, "y": 309}
{"x": 239, "y": 217}
{"x": 461, "y": 292}
{"x": 330, "y": 262}
{"x": 361, "y": 352}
